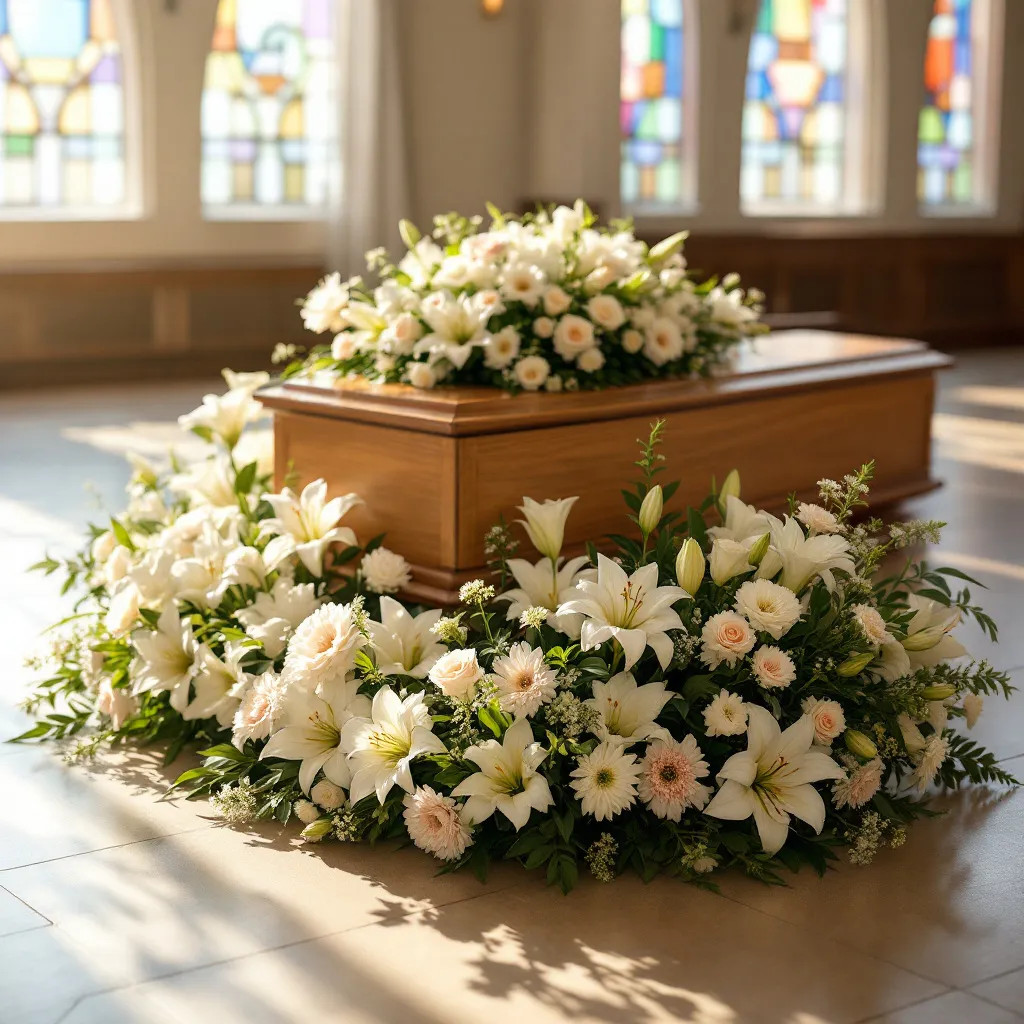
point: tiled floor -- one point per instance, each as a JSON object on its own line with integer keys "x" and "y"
{"x": 117, "y": 906}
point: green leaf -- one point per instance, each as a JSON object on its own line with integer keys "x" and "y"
{"x": 246, "y": 478}
{"x": 121, "y": 534}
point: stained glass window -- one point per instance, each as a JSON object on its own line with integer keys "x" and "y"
{"x": 266, "y": 118}
{"x": 794, "y": 117}
{"x": 651, "y": 102}
{"x": 946, "y": 127}
{"x": 61, "y": 104}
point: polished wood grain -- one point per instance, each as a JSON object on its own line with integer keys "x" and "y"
{"x": 437, "y": 469}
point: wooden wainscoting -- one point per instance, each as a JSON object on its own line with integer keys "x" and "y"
{"x": 116, "y": 323}
{"x": 953, "y": 291}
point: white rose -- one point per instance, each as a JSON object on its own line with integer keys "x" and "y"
{"x": 532, "y": 372}
{"x": 403, "y": 334}
{"x": 543, "y": 327}
{"x": 591, "y": 361}
{"x": 384, "y": 571}
{"x": 606, "y": 311}
{"x": 773, "y": 668}
{"x": 556, "y": 301}
{"x": 768, "y": 607}
{"x": 829, "y": 720}
{"x": 726, "y": 637}
{"x": 327, "y": 795}
{"x": 457, "y": 673}
{"x": 501, "y": 348}
{"x": 664, "y": 342}
{"x": 421, "y": 375}
{"x": 384, "y": 364}
{"x": 343, "y": 346}
{"x": 573, "y": 335}
{"x": 729, "y": 559}
{"x": 632, "y": 341}
{"x": 103, "y": 546}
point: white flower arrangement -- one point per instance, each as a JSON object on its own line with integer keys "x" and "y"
{"x": 547, "y": 301}
{"x": 668, "y": 706}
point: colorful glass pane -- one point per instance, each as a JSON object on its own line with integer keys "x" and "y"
{"x": 946, "y": 127}
{"x": 794, "y": 115}
{"x": 61, "y": 104}
{"x": 651, "y": 102}
{"x": 266, "y": 114}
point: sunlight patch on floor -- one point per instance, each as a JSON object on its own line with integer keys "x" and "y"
{"x": 994, "y": 444}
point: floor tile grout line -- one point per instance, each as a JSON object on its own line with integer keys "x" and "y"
{"x": 24, "y": 903}
{"x": 104, "y": 849}
{"x": 847, "y": 945}
{"x": 261, "y": 952}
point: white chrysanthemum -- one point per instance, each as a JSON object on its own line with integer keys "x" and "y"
{"x": 859, "y": 786}
{"x": 605, "y": 780}
{"x": 818, "y": 519}
{"x": 726, "y": 637}
{"x": 384, "y": 571}
{"x": 872, "y": 624}
{"x": 935, "y": 751}
{"x": 261, "y": 705}
{"x": 828, "y": 716}
{"x": 768, "y": 607}
{"x": 773, "y": 668}
{"x": 323, "y": 649}
{"x": 668, "y": 780}
{"x": 726, "y": 715}
{"x": 524, "y": 681}
{"x": 327, "y": 795}
{"x": 436, "y": 823}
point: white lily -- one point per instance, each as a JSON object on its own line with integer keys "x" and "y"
{"x": 382, "y": 747}
{"x": 628, "y": 711}
{"x": 545, "y": 523}
{"x": 218, "y": 684}
{"x": 227, "y": 415}
{"x": 772, "y": 779}
{"x": 928, "y": 639}
{"x": 210, "y": 482}
{"x": 273, "y": 616}
{"x": 168, "y": 658}
{"x": 457, "y": 326}
{"x": 311, "y": 732}
{"x": 632, "y": 610}
{"x": 742, "y": 521}
{"x": 546, "y": 584}
{"x": 403, "y": 644}
{"x": 804, "y": 558}
{"x": 311, "y": 521}
{"x": 508, "y": 780}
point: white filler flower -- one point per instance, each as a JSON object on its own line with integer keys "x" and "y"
{"x": 383, "y": 746}
{"x": 605, "y": 780}
{"x": 772, "y": 778}
{"x": 632, "y": 610}
{"x": 508, "y": 780}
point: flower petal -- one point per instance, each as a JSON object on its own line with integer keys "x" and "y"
{"x": 732, "y": 802}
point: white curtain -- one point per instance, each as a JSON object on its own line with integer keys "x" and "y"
{"x": 370, "y": 187}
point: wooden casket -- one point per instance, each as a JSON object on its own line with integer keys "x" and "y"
{"x": 437, "y": 469}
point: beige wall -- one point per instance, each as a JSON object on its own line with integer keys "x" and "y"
{"x": 517, "y": 107}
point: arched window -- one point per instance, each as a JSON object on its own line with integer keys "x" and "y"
{"x": 951, "y": 130}
{"x": 266, "y": 110}
{"x": 656, "y": 90}
{"x": 798, "y": 155}
{"x": 62, "y": 107}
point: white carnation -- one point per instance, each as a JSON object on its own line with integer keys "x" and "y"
{"x": 384, "y": 571}
{"x": 768, "y": 607}
{"x": 726, "y": 715}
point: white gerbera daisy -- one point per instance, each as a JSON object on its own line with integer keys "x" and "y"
{"x": 668, "y": 783}
{"x": 524, "y": 681}
{"x": 436, "y": 823}
{"x": 324, "y": 647}
{"x": 605, "y": 780}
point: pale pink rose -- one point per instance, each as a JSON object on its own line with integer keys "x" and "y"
{"x": 457, "y": 673}
{"x": 829, "y": 720}
{"x": 725, "y": 637}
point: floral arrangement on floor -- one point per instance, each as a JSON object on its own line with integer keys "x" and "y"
{"x": 717, "y": 687}
{"x": 550, "y": 300}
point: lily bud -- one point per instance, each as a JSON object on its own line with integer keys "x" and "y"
{"x": 940, "y": 691}
{"x": 855, "y": 665}
{"x": 409, "y": 233}
{"x": 730, "y": 487}
{"x": 667, "y": 246}
{"x": 651, "y": 509}
{"x": 924, "y": 639}
{"x": 860, "y": 744}
{"x": 759, "y": 550}
{"x": 690, "y": 565}
{"x": 317, "y": 830}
